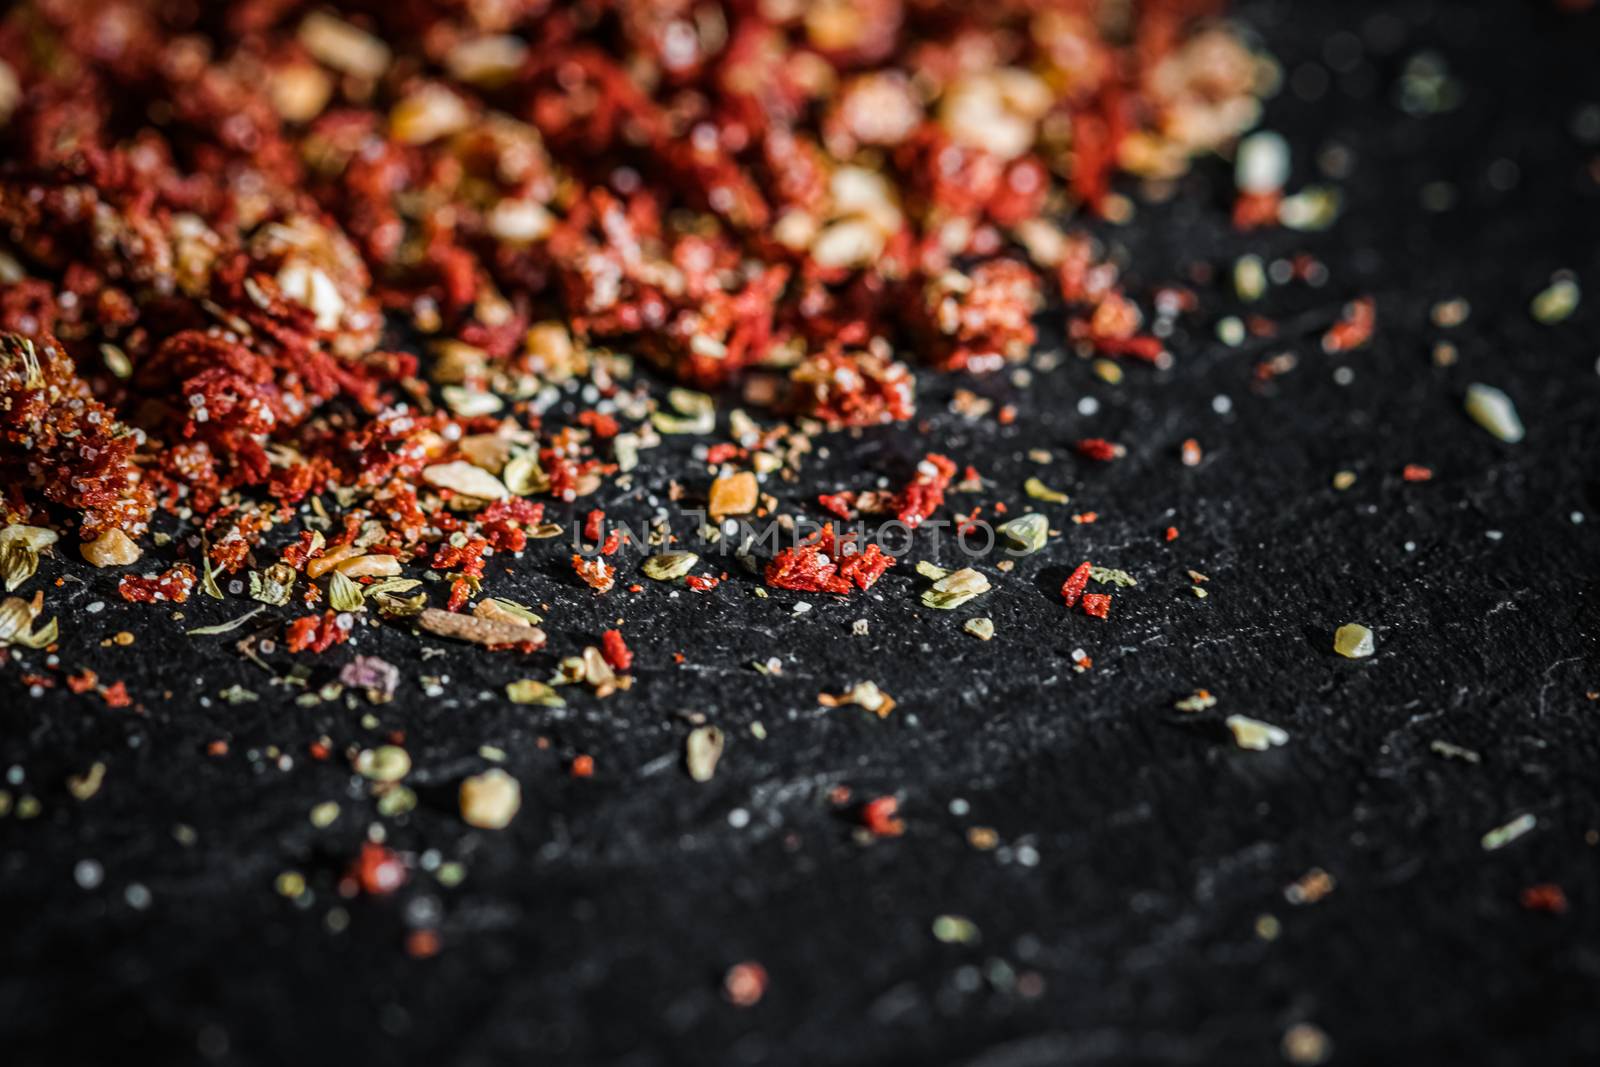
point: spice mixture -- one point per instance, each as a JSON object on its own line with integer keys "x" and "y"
{"x": 321, "y": 310}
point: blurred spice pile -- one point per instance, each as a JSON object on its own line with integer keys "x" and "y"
{"x": 220, "y": 223}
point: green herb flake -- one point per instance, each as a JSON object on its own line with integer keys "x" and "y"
{"x": 1039, "y": 491}
{"x": 669, "y": 566}
{"x": 226, "y": 627}
{"x": 533, "y": 691}
{"x": 1112, "y": 576}
{"x": 344, "y": 594}
{"x": 1025, "y": 534}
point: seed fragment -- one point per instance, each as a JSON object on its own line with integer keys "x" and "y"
{"x": 702, "y": 750}
{"x": 1354, "y": 641}
{"x": 1494, "y": 411}
{"x": 1501, "y": 836}
{"x": 386, "y": 763}
{"x": 533, "y": 691}
{"x": 490, "y": 800}
{"x": 982, "y": 629}
{"x": 1254, "y": 734}
{"x": 1556, "y": 302}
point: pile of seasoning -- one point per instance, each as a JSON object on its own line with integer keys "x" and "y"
{"x": 218, "y": 222}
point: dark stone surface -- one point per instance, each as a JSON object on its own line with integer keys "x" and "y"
{"x": 1139, "y": 846}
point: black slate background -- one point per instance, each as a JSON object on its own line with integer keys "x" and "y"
{"x": 1139, "y": 846}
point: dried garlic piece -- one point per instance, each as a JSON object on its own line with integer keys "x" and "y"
{"x": 1254, "y": 734}
{"x": 702, "y": 750}
{"x": 1494, "y": 411}
{"x": 1354, "y": 641}
{"x": 490, "y": 800}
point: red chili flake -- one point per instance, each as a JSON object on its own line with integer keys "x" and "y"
{"x": 422, "y": 944}
{"x": 217, "y": 748}
{"x": 173, "y": 584}
{"x": 923, "y": 496}
{"x": 1006, "y": 415}
{"x": 1191, "y": 453}
{"x": 315, "y": 632}
{"x": 722, "y": 453}
{"x": 616, "y": 651}
{"x": 745, "y": 984}
{"x": 840, "y": 504}
{"x": 1254, "y": 210}
{"x": 1354, "y": 327}
{"x": 596, "y": 573}
{"x": 116, "y": 695}
{"x": 1097, "y": 604}
{"x": 825, "y": 564}
{"x": 700, "y": 584}
{"x": 1084, "y": 518}
{"x": 1076, "y": 583}
{"x": 1099, "y": 449}
{"x": 582, "y": 766}
{"x": 593, "y": 526}
{"x": 377, "y": 870}
{"x": 612, "y": 543}
{"x": 319, "y": 750}
{"x": 1413, "y": 472}
{"x": 881, "y": 817}
{"x": 1172, "y": 533}
{"x": 602, "y": 426}
{"x": 1546, "y": 897}
{"x": 83, "y": 681}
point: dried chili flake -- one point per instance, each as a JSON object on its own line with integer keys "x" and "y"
{"x": 1354, "y": 328}
{"x": 597, "y": 574}
{"x": 745, "y": 984}
{"x": 840, "y": 504}
{"x": 1413, "y": 472}
{"x": 1097, "y": 604}
{"x": 1099, "y": 449}
{"x": 1546, "y": 897}
{"x": 173, "y": 585}
{"x": 318, "y": 633}
{"x": 701, "y": 584}
{"x": 601, "y": 425}
{"x": 116, "y": 695}
{"x": 1072, "y": 589}
{"x": 582, "y": 766}
{"x": 925, "y": 494}
{"x": 616, "y": 651}
{"x": 881, "y": 817}
{"x": 827, "y": 564}
{"x": 377, "y": 870}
